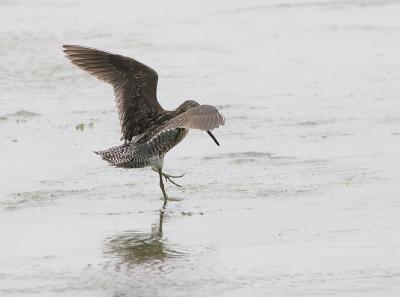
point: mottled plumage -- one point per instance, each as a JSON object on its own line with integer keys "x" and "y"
{"x": 141, "y": 154}
{"x": 149, "y": 131}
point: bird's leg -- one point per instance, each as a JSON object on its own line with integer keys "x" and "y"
{"x": 162, "y": 185}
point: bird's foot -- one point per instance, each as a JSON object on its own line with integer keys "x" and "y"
{"x": 169, "y": 177}
{"x": 172, "y": 176}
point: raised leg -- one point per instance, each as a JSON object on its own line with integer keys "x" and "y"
{"x": 171, "y": 176}
{"x": 168, "y": 177}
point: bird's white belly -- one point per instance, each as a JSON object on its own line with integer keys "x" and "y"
{"x": 156, "y": 162}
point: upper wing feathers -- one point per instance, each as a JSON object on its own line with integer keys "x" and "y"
{"x": 135, "y": 86}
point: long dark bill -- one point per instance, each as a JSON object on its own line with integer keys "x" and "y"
{"x": 213, "y": 137}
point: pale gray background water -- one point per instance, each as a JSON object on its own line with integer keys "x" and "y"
{"x": 301, "y": 199}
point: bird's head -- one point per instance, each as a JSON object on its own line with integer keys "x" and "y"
{"x": 188, "y": 104}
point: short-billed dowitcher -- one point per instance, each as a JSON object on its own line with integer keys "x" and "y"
{"x": 149, "y": 130}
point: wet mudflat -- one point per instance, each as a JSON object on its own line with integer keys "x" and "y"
{"x": 302, "y": 198}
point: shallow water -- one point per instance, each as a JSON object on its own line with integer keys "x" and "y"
{"x": 301, "y": 199}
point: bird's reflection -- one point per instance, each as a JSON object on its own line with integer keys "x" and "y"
{"x": 134, "y": 247}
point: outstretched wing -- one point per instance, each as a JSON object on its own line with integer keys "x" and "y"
{"x": 202, "y": 117}
{"x": 135, "y": 86}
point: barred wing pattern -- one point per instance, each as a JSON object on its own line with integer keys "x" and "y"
{"x": 135, "y": 86}
{"x": 202, "y": 117}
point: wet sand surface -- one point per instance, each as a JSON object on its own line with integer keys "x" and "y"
{"x": 301, "y": 199}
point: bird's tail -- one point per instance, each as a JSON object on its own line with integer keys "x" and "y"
{"x": 120, "y": 155}
{"x": 105, "y": 155}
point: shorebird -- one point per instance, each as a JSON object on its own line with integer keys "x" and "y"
{"x": 148, "y": 130}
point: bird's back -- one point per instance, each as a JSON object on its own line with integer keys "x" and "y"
{"x": 138, "y": 154}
